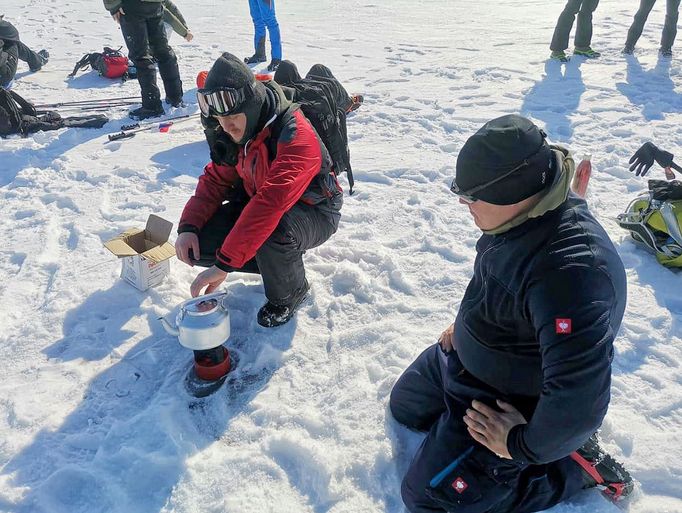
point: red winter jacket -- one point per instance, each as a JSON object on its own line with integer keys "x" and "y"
{"x": 274, "y": 187}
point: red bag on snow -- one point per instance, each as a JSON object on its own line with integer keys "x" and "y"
{"x": 110, "y": 63}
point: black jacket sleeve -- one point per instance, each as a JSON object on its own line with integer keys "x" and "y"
{"x": 571, "y": 310}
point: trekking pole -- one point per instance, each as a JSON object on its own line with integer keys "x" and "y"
{"x": 129, "y": 131}
{"x": 86, "y": 102}
{"x": 133, "y": 126}
{"x": 85, "y": 108}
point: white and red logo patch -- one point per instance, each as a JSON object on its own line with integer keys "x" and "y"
{"x": 460, "y": 485}
{"x": 563, "y": 326}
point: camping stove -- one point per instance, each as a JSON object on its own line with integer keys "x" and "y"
{"x": 203, "y": 325}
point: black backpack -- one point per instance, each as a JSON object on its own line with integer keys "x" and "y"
{"x": 12, "y": 109}
{"x": 19, "y": 116}
{"x": 324, "y": 102}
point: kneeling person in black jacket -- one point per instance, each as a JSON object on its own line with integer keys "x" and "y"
{"x": 513, "y": 393}
{"x": 12, "y": 50}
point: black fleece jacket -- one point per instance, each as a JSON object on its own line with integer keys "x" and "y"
{"x": 537, "y": 323}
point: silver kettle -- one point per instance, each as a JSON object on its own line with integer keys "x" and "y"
{"x": 202, "y": 322}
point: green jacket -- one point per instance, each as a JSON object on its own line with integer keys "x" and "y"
{"x": 173, "y": 16}
{"x": 114, "y": 5}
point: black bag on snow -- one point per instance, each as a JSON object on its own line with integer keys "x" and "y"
{"x": 19, "y": 116}
{"x": 12, "y": 110}
{"x": 110, "y": 63}
{"x": 324, "y": 101}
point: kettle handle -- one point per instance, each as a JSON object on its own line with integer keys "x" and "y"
{"x": 170, "y": 328}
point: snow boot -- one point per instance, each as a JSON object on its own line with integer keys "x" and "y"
{"x": 43, "y": 57}
{"x": 146, "y": 112}
{"x": 177, "y": 103}
{"x": 274, "y": 64}
{"x": 666, "y": 53}
{"x": 600, "y": 470}
{"x": 559, "y": 56}
{"x": 587, "y": 52}
{"x": 259, "y": 56}
{"x": 271, "y": 315}
{"x": 628, "y": 50}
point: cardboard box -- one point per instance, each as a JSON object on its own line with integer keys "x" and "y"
{"x": 144, "y": 253}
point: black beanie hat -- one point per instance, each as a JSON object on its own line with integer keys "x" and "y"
{"x": 501, "y": 145}
{"x": 230, "y": 71}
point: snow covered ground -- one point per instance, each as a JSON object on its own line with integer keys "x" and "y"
{"x": 93, "y": 416}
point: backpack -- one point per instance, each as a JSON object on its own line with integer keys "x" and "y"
{"x": 110, "y": 63}
{"x": 19, "y": 116}
{"x": 324, "y": 102}
{"x": 12, "y": 109}
{"x": 655, "y": 220}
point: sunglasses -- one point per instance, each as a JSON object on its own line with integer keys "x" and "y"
{"x": 222, "y": 101}
{"x": 468, "y": 196}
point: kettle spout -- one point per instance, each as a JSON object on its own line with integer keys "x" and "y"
{"x": 173, "y": 330}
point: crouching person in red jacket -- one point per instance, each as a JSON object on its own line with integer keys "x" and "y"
{"x": 268, "y": 195}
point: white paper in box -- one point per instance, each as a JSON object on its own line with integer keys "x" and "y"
{"x": 144, "y": 253}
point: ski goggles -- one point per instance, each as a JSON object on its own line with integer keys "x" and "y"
{"x": 468, "y": 195}
{"x": 222, "y": 101}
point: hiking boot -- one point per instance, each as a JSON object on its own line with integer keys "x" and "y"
{"x": 271, "y": 315}
{"x": 274, "y": 64}
{"x": 43, "y": 57}
{"x": 628, "y": 50}
{"x": 559, "y": 56}
{"x": 587, "y": 52}
{"x": 356, "y": 101}
{"x": 255, "y": 58}
{"x": 175, "y": 102}
{"x": 259, "y": 55}
{"x": 145, "y": 112}
{"x": 600, "y": 470}
{"x": 666, "y": 52}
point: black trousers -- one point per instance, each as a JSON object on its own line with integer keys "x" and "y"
{"x": 669, "y": 29}
{"x": 479, "y": 481}
{"x": 279, "y": 260}
{"x": 145, "y": 37}
{"x": 583, "y": 32}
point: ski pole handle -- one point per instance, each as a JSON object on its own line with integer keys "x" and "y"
{"x": 121, "y": 135}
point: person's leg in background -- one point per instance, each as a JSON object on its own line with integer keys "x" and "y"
{"x": 583, "y": 30}
{"x": 167, "y": 60}
{"x": 270, "y": 20}
{"x": 670, "y": 28}
{"x": 259, "y": 33}
{"x": 134, "y": 28}
{"x": 637, "y": 26}
{"x": 563, "y": 28}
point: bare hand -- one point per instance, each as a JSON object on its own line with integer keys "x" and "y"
{"x": 490, "y": 427}
{"x": 189, "y": 37}
{"x": 447, "y": 338}
{"x": 211, "y": 278}
{"x": 117, "y": 15}
{"x": 185, "y": 242}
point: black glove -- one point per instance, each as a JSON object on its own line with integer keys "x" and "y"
{"x": 644, "y": 158}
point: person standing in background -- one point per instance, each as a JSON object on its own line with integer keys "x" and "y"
{"x": 263, "y": 15}
{"x": 669, "y": 29}
{"x": 583, "y": 32}
{"x": 142, "y": 26}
